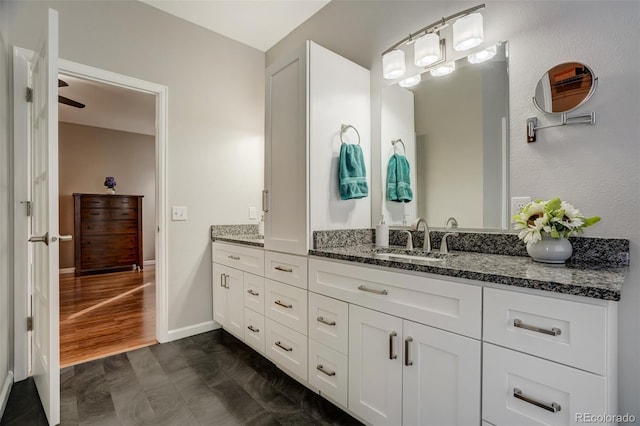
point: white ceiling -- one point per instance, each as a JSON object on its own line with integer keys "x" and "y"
{"x": 257, "y": 23}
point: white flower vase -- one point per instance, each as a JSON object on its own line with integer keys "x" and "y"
{"x": 111, "y": 191}
{"x": 550, "y": 250}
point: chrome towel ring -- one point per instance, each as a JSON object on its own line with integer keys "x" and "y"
{"x": 395, "y": 143}
{"x": 343, "y": 130}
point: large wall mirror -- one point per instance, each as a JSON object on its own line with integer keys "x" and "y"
{"x": 454, "y": 130}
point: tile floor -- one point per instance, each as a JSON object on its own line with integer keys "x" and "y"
{"x": 208, "y": 379}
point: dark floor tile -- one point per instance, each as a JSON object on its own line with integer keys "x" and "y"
{"x": 236, "y": 406}
{"x": 68, "y": 398}
{"x": 23, "y": 406}
{"x": 326, "y": 412}
{"x": 299, "y": 418}
{"x": 169, "y": 407}
{"x": 262, "y": 419}
{"x": 95, "y": 406}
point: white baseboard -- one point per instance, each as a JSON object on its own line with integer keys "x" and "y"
{"x": 64, "y": 271}
{"x": 4, "y": 393}
{"x": 192, "y": 330}
{"x": 149, "y": 263}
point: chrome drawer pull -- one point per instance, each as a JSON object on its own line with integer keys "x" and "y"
{"x": 407, "y": 352}
{"x": 372, "y": 290}
{"x": 233, "y": 257}
{"x": 392, "y": 353}
{"x": 280, "y": 345}
{"x": 226, "y": 281}
{"x": 221, "y": 280}
{"x": 553, "y": 332}
{"x": 554, "y": 407}
{"x": 265, "y": 194}
{"x": 324, "y": 321}
{"x": 255, "y": 330}
{"x": 282, "y": 268}
{"x": 320, "y": 367}
{"x": 253, "y": 293}
{"x": 284, "y": 305}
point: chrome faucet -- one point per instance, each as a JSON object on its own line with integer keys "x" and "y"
{"x": 426, "y": 246}
{"x": 451, "y": 223}
{"x": 409, "y": 245}
{"x": 444, "y": 249}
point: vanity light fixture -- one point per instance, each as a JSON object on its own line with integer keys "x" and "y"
{"x": 482, "y": 56}
{"x": 393, "y": 65}
{"x": 468, "y": 32}
{"x": 427, "y": 50}
{"x": 444, "y": 69}
{"x": 410, "y": 82}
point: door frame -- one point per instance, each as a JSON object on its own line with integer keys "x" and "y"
{"x": 22, "y": 59}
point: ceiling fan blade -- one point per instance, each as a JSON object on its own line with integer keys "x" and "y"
{"x": 62, "y": 83}
{"x": 70, "y": 102}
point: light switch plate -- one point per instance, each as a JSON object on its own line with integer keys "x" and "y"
{"x": 178, "y": 213}
{"x": 252, "y": 212}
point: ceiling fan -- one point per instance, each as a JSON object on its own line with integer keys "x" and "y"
{"x": 67, "y": 101}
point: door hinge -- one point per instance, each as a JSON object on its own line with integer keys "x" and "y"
{"x": 29, "y": 94}
{"x": 29, "y": 207}
{"x": 29, "y": 323}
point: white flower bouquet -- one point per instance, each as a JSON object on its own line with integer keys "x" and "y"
{"x": 554, "y": 218}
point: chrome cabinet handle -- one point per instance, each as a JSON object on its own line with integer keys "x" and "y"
{"x": 253, "y": 293}
{"x": 42, "y": 239}
{"x": 407, "y": 352}
{"x": 280, "y": 345}
{"x": 265, "y": 194}
{"x": 255, "y": 330}
{"x": 222, "y": 280}
{"x": 553, "y": 332}
{"x": 226, "y": 282}
{"x": 392, "y": 352}
{"x": 284, "y": 305}
{"x": 324, "y": 321}
{"x": 283, "y": 269}
{"x": 554, "y": 407}
{"x": 321, "y": 368}
{"x": 372, "y": 290}
{"x": 233, "y": 257}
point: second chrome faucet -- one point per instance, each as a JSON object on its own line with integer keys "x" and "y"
{"x": 426, "y": 246}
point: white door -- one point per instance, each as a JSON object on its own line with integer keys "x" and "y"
{"x": 441, "y": 377}
{"x": 44, "y": 222}
{"x": 375, "y": 366}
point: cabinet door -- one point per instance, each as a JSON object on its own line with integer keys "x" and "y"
{"x": 285, "y": 216}
{"x": 375, "y": 366}
{"x": 235, "y": 302}
{"x": 219, "y": 295}
{"x": 441, "y": 377}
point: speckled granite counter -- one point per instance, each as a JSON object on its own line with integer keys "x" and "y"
{"x": 239, "y": 234}
{"x": 600, "y": 282}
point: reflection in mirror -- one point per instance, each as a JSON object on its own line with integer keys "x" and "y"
{"x": 454, "y": 130}
{"x": 564, "y": 88}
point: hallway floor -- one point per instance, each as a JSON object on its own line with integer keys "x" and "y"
{"x": 208, "y": 379}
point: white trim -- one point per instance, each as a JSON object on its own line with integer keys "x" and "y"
{"x": 192, "y": 330}
{"x": 149, "y": 263}
{"x": 66, "y": 271}
{"x": 6, "y": 390}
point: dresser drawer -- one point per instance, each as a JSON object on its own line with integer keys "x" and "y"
{"x": 328, "y": 372}
{"x": 521, "y": 389}
{"x": 115, "y": 227}
{"x": 287, "y": 305}
{"x": 443, "y": 304}
{"x": 569, "y": 332}
{"x": 286, "y": 268}
{"x": 286, "y": 348}
{"x": 254, "y": 330}
{"x": 329, "y": 322}
{"x": 254, "y": 292}
{"x": 246, "y": 259}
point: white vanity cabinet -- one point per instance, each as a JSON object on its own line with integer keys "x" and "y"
{"x": 310, "y": 93}
{"x": 228, "y": 299}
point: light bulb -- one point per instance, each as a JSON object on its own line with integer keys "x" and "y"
{"x": 393, "y": 65}
{"x": 468, "y": 32}
{"x": 443, "y": 69}
{"x": 410, "y": 82}
{"x": 427, "y": 50}
{"x": 482, "y": 56}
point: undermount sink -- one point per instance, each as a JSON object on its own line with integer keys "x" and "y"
{"x": 390, "y": 254}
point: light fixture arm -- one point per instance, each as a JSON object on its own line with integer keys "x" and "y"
{"x": 436, "y": 26}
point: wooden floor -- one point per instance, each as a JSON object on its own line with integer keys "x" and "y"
{"x": 106, "y": 314}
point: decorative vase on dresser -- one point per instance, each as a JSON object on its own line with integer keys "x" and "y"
{"x": 108, "y": 233}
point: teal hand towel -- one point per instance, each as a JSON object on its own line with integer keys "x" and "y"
{"x": 398, "y": 179}
{"x": 352, "y": 173}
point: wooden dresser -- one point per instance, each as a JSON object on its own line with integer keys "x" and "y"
{"x": 108, "y": 233}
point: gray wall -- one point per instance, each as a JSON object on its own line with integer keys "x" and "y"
{"x": 216, "y": 120}
{"x": 596, "y": 168}
{"x": 6, "y": 211}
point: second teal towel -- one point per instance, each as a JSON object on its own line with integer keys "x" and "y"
{"x": 398, "y": 179}
{"x": 352, "y": 173}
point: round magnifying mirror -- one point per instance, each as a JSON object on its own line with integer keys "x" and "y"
{"x": 564, "y": 88}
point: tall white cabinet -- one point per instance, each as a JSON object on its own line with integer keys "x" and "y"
{"x": 310, "y": 94}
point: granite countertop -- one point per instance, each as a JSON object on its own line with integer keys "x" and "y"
{"x": 596, "y": 281}
{"x": 246, "y": 239}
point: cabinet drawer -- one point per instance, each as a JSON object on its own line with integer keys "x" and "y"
{"x": 443, "y": 304}
{"x": 246, "y": 259}
{"x": 286, "y": 348}
{"x": 572, "y": 333}
{"x": 328, "y": 372}
{"x": 254, "y": 331}
{"x": 287, "y": 305}
{"x": 286, "y": 268}
{"x": 329, "y": 322}
{"x": 521, "y": 389}
{"x": 254, "y": 292}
